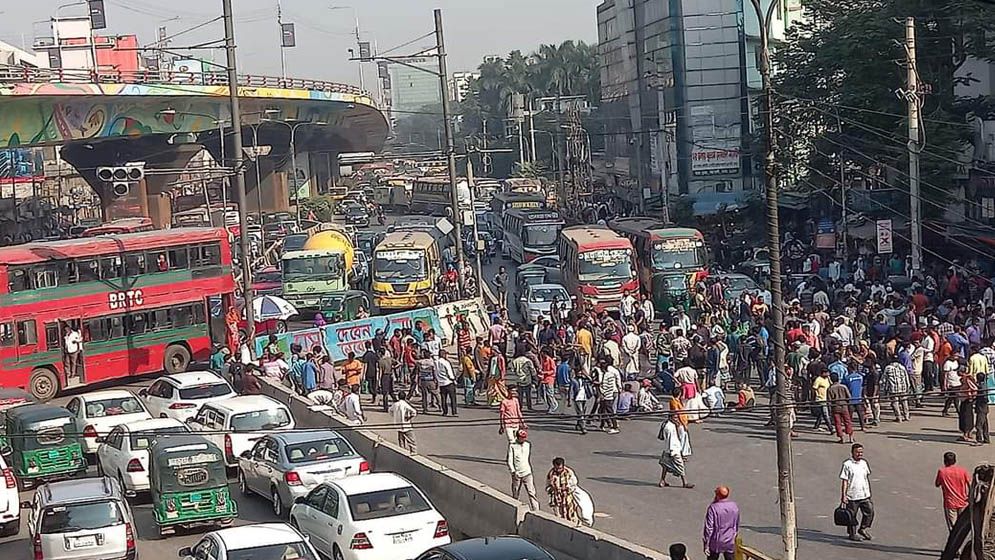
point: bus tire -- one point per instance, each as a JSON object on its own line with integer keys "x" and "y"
{"x": 44, "y": 384}
{"x": 176, "y": 359}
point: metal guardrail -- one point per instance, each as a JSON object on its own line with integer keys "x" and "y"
{"x": 10, "y": 74}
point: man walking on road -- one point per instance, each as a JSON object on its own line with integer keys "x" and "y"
{"x": 672, "y": 457}
{"x": 445, "y": 377}
{"x": 519, "y": 463}
{"x": 721, "y": 526}
{"x": 501, "y": 285}
{"x": 855, "y": 492}
{"x": 953, "y": 481}
{"x": 403, "y": 413}
{"x": 510, "y": 414}
{"x": 839, "y": 401}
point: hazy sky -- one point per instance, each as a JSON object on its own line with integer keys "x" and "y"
{"x": 473, "y": 28}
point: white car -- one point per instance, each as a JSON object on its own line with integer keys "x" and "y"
{"x": 537, "y": 300}
{"x": 235, "y": 424}
{"x": 262, "y": 541}
{"x": 10, "y": 503}
{"x": 380, "y": 516}
{"x": 181, "y": 395}
{"x": 123, "y": 454}
{"x": 102, "y": 411}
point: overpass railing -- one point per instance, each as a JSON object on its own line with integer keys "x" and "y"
{"x": 10, "y": 74}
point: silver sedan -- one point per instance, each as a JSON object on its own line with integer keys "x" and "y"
{"x": 288, "y": 465}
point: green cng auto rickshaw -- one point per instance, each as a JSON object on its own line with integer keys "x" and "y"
{"x": 43, "y": 443}
{"x": 671, "y": 291}
{"x": 11, "y": 398}
{"x": 188, "y": 483}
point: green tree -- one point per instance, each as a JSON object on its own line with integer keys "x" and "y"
{"x": 836, "y": 80}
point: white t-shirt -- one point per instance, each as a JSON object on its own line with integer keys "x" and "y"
{"x": 444, "y": 374}
{"x": 857, "y": 473}
{"x": 74, "y": 341}
{"x": 951, "y": 372}
{"x": 402, "y": 413}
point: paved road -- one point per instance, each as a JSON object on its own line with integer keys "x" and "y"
{"x": 621, "y": 472}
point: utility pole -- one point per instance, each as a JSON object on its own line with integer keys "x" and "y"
{"x": 243, "y": 218}
{"x": 843, "y": 201}
{"x": 560, "y": 187}
{"x": 440, "y": 44}
{"x": 283, "y": 50}
{"x": 476, "y": 236}
{"x": 912, "y": 98}
{"x": 532, "y": 129}
{"x": 781, "y": 406}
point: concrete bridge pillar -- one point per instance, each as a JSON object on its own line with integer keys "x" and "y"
{"x": 275, "y": 193}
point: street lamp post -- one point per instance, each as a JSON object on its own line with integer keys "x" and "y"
{"x": 782, "y": 402}
{"x": 293, "y": 158}
{"x": 355, "y": 17}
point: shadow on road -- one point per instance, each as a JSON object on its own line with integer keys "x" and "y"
{"x": 814, "y": 535}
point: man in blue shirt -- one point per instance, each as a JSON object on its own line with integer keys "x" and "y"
{"x": 854, "y": 381}
{"x": 309, "y": 375}
{"x": 563, "y": 378}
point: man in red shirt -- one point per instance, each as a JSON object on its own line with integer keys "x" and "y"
{"x": 510, "y": 414}
{"x": 953, "y": 482}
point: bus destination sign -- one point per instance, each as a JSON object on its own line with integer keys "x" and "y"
{"x": 606, "y": 255}
{"x": 679, "y": 245}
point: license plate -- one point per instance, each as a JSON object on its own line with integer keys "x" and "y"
{"x": 402, "y": 538}
{"x": 85, "y": 542}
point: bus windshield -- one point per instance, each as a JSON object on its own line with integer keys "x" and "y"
{"x": 399, "y": 266}
{"x": 312, "y": 268}
{"x": 605, "y": 264}
{"x": 683, "y": 253}
{"x": 541, "y": 235}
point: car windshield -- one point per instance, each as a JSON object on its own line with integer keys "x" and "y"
{"x": 113, "y": 407}
{"x": 547, "y": 294}
{"x": 257, "y": 420}
{"x": 387, "y": 503}
{"x": 286, "y": 551}
{"x": 605, "y": 264}
{"x": 207, "y": 391}
{"x": 404, "y": 266}
{"x": 80, "y": 517}
{"x": 312, "y": 268}
{"x": 320, "y": 450}
{"x": 541, "y": 235}
{"x": 143, "y": 440}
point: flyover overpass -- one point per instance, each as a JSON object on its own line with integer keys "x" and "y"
{"x": 165, "y": 117}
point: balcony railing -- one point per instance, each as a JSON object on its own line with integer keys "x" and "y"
{"x": 21, "y": 74}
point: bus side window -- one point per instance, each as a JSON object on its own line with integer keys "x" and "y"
{"x": 136, "y": 323}
{"x": 53, "y": 336}
{"x": 110, "y": 268}
{"x": 199, "y": 314}
{"x": 6, "y": 335}
{"x": 88, "y": 270}
{"x": 45, "y": 275}
{"x": 156, "y": 261}
{"x": 18, "y": 279}
{"x": 134, "y": 264}
{"x": 27, "y": 335}
{"x": 178, "y": 258}
{"x": 97, "y": 329}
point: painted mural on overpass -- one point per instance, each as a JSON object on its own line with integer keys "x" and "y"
{"x": 53, "y": 113}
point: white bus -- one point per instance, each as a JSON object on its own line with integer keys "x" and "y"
{"x": 530, "y": 233}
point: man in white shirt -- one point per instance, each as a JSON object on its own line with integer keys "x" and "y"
{"x": 672, "y": 457}
{"x": 609, "y": 387}
{"x": 351, "y": 407}
{"x": 432, "y": 343}
{"x": 631, "y": 345}
{"x": 628, "y": 307}
{"x": 649, "y": 311}
{"x": 519, "y": 454}
{"x": 446, "y": 379}
{"x": 855, "y": 493}
{"x": 73, "y": 347}
{"x": 403, "y": 413}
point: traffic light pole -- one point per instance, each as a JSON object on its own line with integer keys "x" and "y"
{"x": 237, "y": 156}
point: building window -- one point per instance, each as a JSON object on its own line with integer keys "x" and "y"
{"x": 988, "y": 208}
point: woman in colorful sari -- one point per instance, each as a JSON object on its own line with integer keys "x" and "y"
{"x": 232, "y": 319}
{"x": 681, "y": 419}
{"x": 497, "y": 391}
{"x": 561, "y": 482}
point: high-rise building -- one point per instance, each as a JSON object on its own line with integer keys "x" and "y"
{"x": 412, "y": 89}
{"x": 676, "y": 83}
{"x": 459, "y": 85}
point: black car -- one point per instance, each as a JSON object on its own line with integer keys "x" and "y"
{"x": 357, "y": 216}
{"x": 488, "y": 548}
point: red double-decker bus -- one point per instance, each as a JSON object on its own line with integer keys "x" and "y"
{"x": 597, "y": 266}
{"x": 140, "y": 302}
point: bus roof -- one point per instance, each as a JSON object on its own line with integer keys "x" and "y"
{"x": 654, "y": 228}
{"x": 37, "y": 252}
{"x": 595, "y": 237}
{"x": 406, "y": 240}
{"x": 519, "y": 196}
